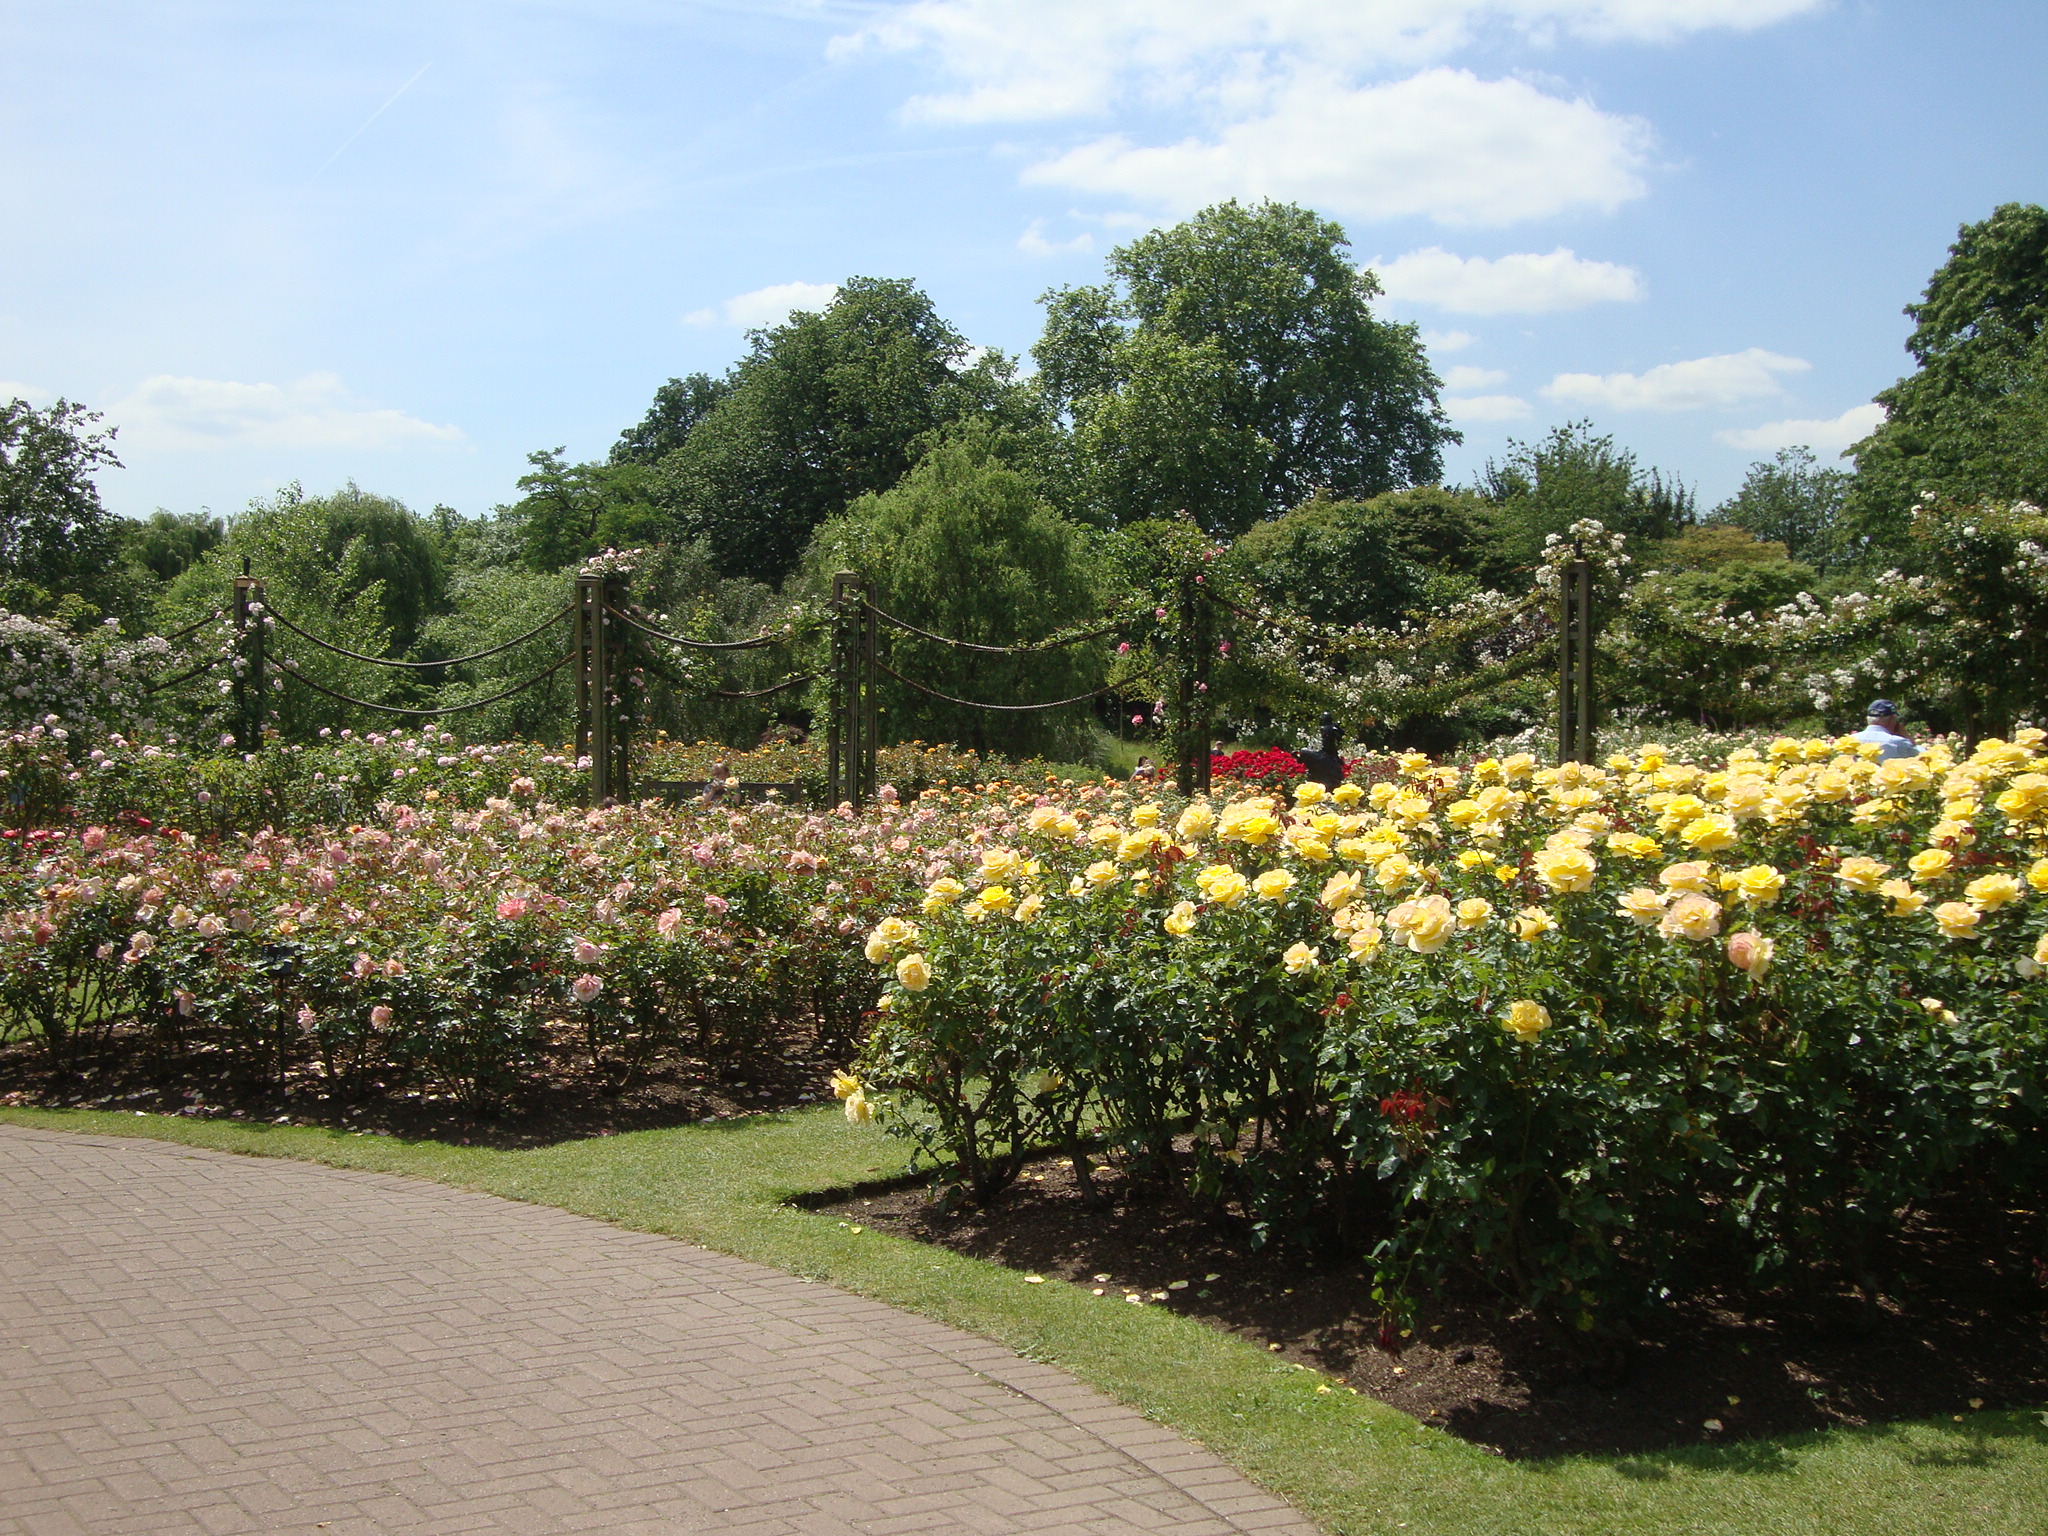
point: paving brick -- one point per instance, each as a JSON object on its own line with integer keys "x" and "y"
{"x": 206, "y": 1345}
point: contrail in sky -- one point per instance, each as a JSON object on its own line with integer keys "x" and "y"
{"x": 367, "y": 121}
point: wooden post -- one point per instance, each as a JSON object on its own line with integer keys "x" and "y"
{"x": 1575, "y": 663}
{"x": 251, "y": 706}
{"x": 1185, "y": 662}
{"x": 853, "y": 726}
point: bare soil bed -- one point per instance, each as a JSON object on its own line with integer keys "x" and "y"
{"x": 1961, "y": 1323}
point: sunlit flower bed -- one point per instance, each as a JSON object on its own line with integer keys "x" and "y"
{"x": 1574, "y": 1031}
{"x": 451, "y": 949}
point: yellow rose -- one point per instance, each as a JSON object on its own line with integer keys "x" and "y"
{"x": 1759, "y": 885}
{"x": 1101, "y": 874}
{"x": 1930, "y": 863}
{"x": 890, "y": 935}
{"x": 1525, "y": 1020}
{"x": 1518, "y": 767}
{"x": 1347, "y": 795}
{"x": 1862, "y": 874}
{"x": 1029, "y": 908}
{"x": 1366, "y": 938}
{"x": 1314, "y": 849}
{"x": 1709, "y": 834}
{"x": 1691, "y": 916}
{"x": 1633, "y": 845}
{"x": 1751, "y": 953}
{"x": 1043, "y": 817}
{"x": 844, "y": 1085}
{"x": 1904, "y": 899}
{"x": 996, "y": 898}
{"x": 1339, "y": 891}
{"x": 1105, "y": 834}
{"x": 1957, "y": 919}
{"x": 1308, "y": 793}
{"x": 1566, "y": 868}
{"x": 1040, "y": 1081}
{"x": 914, "y": 972}
{"x": 1642, "y": 906}
{"x": 1300, "y": 959}
{"x": 1000, "y": 864}
{"x": 1068, "y": 827}
{"x": 1987, "y": 893}
{"x": 1251, "y": 822}
{"x": 1472, "y": 912}
{"x": 1690, "y": 876}
{"x": 1273, "y": 884}
{"x": 858, "y": 1110}
{"x": 1532, "y": 923}
{"x": 1146, "y": 815}
{"x": 942, "y": 892}
{"x": 1425, "y": 925}
{"x": 2037, "y": 875}
{"x": 1228, "y": 888}
{"x": 1136, "y": 846}
{"x": 1395, "y": 871}
{"x": 1195, "y": 823}
{"x": 1180, "y": 922}
{"x": 2041, "y": 950}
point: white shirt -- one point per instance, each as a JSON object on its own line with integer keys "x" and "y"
{"x": 1889, "y": 743}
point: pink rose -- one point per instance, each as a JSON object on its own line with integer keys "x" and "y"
{"x": 587, "y": 953}
{"x": 93, "y": 839}
{"x": 667, "y": 924}
{"x": 1750, "y": 952}
{"x": 185, "y": 1002}
{"x": 361, "y": 966}
{"x": 380, "y": 1016}
{"x": 717, "y": 904}
{"x": 586, "y": 988}
{"x": 394, "y": 966}
{"x": 511, "y": 909}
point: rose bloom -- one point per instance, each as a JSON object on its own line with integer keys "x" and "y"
{"x": 1532, "y": 923}
{"x": 1759, "y": 885}
{"x": 2037, "y": 875}
{"x": 1029, "y": 908}
{"x": 1930, "y": 863}
{"x": 1395, "y": 871}
{"x": 1709, "y": 834}
{"x": 1102, "y": 874}
{"x": 1957, "y": 919}
{"x": 1565, "y": 869}
{"x": 1904, "y": 899}
{"x": 1525, "y": 1020}
{"x": 1642, "y": 906}
{"x": 1472, "y": 912}
{"x": 1633, "y": 845}
{"x": 1273, "y": 884}
{"x": 1300, "y": 959}
{"x": 587, "y": 953}
{"x": 1987, "y": 893}
{"x": 1691, "y": 916}
{"x": 1181, "y": 920}
{"x": 669, "y": 921}
{"x": 1425, "y": 926}
{"x": 585, "y": 988}
{"x": 996, "y": 898}
{"x": 914, "y": 973}
{"x": 942, "y": 892}
{"x": 1366, "y": 938}
{"x": 2041, "y": 950}
{"x": 1862, "y": 874}
{"x": 1195, "y": 822}
{"x": 1223, "y": 885}
{"x": 1339, "y": 891}
{"x": 1750, "y": 952}
{"x": 1690, "y": 876}
{"x": 380, "y": 1016}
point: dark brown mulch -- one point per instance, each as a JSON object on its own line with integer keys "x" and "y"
{"x": 568, "y": 1100}
{"x": 1962, "y": 1324}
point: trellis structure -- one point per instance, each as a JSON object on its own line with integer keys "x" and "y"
{"x": 606, "y": 648}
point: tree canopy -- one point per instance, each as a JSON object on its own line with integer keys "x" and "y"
{"x": 1971, "y": 423}
{"x": 1542, "y": 488}
{"x": 1231, "y": 367}
{"x": 56, "y": 540}
{"x": 824, "y": 409}
{"x": 1792, "y": 501}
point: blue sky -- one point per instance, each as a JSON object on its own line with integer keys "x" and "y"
{"x": 408, "y": 243}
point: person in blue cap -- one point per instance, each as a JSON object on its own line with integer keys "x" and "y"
{"x": 1884, "y": 730}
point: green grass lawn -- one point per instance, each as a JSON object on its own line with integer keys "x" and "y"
{"x": 1354, "y": 1464}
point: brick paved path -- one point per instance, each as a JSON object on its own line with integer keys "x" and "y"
{"x": 192, "y": 1342}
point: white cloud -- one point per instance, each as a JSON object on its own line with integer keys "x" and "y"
{"x": 1448, "y": 341}
{"x": 1012, "y": 62}
{"x": 1033, "y": 242}
{"x": 765, "y": 306}
{"x": 1521, "y": 284}
{"x": 1487, "y": 408}
{"x": 1830, "y": 435}
{"x": 1462, "y": 378}
{"x": 315, "y": 412}
{"x": 1728, "y": 379}
{"x": 1443, "y": 144}
{"x": 9, "y": 390}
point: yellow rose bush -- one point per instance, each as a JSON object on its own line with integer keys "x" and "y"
{"x": 1626, "y": 1017}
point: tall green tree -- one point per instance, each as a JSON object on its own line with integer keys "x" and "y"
{"x": 568, "y": 512}
{"x": 824, "y": 409}
{"x": 1792, "y": 501}
{"x": 678, "y": 406}
{"x": 1231, "y": 367}
{"x": 167, "y": 544}
{"x": 56, "y": 539}
{"x": 1971, "y": 423}
{"x": 965, "y": 547}
{"x": 1542, "y": 488}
